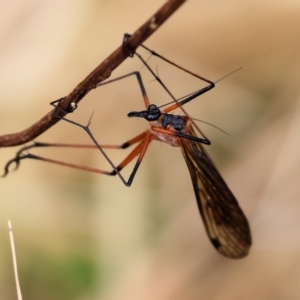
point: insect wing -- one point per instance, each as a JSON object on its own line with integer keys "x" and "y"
{"x": 225, "y": 222}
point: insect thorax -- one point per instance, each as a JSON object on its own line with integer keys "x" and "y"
{"x": 172, "y": 123}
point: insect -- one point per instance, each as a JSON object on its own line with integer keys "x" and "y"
{"x": 224, "y": 221}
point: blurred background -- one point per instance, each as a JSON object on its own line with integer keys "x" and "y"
{"x": 80, "y": 235}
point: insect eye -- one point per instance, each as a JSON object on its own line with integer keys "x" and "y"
{"x": 153, "y": 113}
{"x": 153, "y": 109}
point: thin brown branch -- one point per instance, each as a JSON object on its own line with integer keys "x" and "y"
{"x": 102, "y": 72}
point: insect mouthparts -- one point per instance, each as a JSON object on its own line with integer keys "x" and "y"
{"x": 149, "y": 115}
{"x": 133, "y": 114}
{"x": 138, "y": 114}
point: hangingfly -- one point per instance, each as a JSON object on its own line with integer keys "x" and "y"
{"x": 224, "y": 221}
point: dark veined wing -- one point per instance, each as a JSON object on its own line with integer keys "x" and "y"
{"x": 225, "y": 222}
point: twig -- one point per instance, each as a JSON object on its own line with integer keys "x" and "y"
{"x": 102, "y": 72}
{"x": 11, "y": 237}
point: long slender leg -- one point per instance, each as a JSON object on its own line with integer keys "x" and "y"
{"x": 139, "y": 151}
{"x": 188, "y": 97}
{"x": 140, "y": 81}
{"x": 211, "y": 83}
{"x": 116, "y": 170}
{"x": 143, "y": 148}
{"x": 177, "y": 103}
{"x": 88, "y": 146}
{"x": 88, "y": 131}
{"x": 20, "y": 155}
